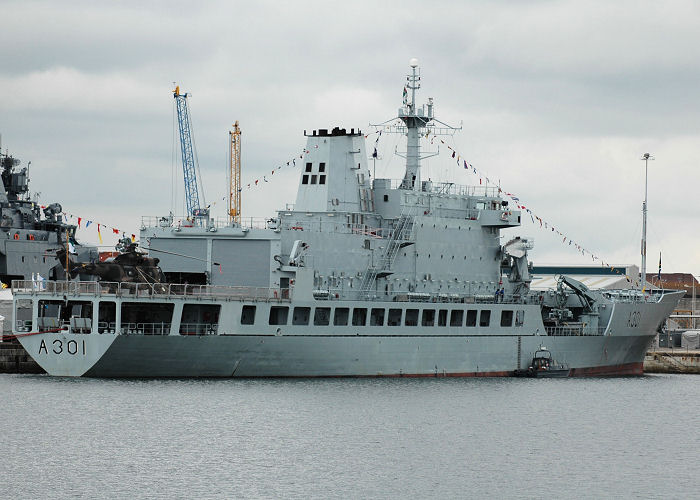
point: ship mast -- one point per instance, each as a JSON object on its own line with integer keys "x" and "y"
{"x": 417, "y": 122}
{"x": 407, "y": 114}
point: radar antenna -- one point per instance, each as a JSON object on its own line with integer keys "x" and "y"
{"x": 416, "y": 122}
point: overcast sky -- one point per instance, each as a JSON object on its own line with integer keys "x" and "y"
{"x": 558, "y": 100}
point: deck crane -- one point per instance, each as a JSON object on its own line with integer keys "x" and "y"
{"x": 234, "y": 203}
{"x": 189, "y": 165}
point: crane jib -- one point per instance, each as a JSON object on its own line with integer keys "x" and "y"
{"x": 188, "y": 157}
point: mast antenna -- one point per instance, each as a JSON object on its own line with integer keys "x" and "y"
{"x": 416, "y": 122}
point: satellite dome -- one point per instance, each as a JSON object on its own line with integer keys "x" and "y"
{"x": 413, "y": 62}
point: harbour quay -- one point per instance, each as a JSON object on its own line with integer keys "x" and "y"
{"x": 665, "y": 360}
{"x": 14, "y": 359}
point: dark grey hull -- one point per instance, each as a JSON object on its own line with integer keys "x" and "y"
{"x": 340, "y": 356}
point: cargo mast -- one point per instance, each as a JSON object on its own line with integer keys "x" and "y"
{"x": 234, "y": 202}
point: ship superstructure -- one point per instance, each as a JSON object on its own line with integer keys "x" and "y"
{"x": 358, "y": 277}
{"x": 362, "y": 238}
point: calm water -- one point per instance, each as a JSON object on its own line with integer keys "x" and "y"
{"x": 395, "y": 438}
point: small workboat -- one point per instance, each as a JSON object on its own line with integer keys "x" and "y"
{"x": 543, "y": 365}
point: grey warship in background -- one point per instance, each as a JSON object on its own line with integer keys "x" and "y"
{"x": 402, "y": 277}
{"x": 28, "y": 240}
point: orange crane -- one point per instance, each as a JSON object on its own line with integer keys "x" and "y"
{"x": 234, "y": 202}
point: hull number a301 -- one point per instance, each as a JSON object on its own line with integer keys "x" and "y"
{"x": 58, "y": 346}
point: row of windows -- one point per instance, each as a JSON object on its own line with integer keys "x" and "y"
{"x": 279, "y": 315}
{"x": 136, "y": 316}
{"x": 321, "y": 167}
{"x": 321, "y": 179}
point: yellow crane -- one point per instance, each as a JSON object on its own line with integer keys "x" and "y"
{"x": 234, "y": 202}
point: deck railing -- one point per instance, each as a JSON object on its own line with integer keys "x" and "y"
{"x": 157, "y": 290}
{"x": 145, "y": 328}
{"x": 199, "y": 329}
{"x": 446, "y": 188}
{"x": 573, "y": 331}
{"x": 184, "y": 223}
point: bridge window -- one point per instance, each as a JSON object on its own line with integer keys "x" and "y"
{"x": 23, "y": 315}
{"x": 140, "y": 318}
{"x": 428, "y": 317}
{"x": 359, "y": 316}
{"x": 301, "y": 315}
{"x": 519, "y": 318}
{"x": 485, "y": 318}
{"x": 442, "y": 317}
{"x": 456, "y": 317}
{"x": 54, "y": 314}
{"x": 321, "y": 179}
{"x": 376, "y": 318}
{"x": 471, "y": 317}
{"x": 278, "y": 315}
{"x": 321, "y": 167}
{"x": 107, "y": 317}
{"x": 341, "y": 316}
{"x": 313, "y": 179}
{"x": 322, "y": 316}
{"x": 199, "y": 319}
{"x": 248, "y": 315}
{"x": 394, "y": 317}
{"x": 506, "y": 318}
{"x": 50, "y": 314}
{"x": 411, "y": 317}
{"x": 305, "y": 179}
{"x": 308, "y": 167}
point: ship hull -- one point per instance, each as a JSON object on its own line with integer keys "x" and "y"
{"x": 264, "y": 350}
{"x": 327, "y": 356}
{"x": 253, "y": 356}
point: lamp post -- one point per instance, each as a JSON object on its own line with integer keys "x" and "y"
{"x": 646, "y": 157}
{"x": 692, "y": 304}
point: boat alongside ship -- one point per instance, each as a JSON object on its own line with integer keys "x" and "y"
{"x": 544, "y": 366}
{"x": 402, "y": 277}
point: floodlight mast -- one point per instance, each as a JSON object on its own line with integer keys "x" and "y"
{"x": 417, "y": 122}
{"x": 642, "y": 282}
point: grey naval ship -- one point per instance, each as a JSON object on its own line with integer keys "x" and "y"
{"x": 31, "y": 234}
{"x": 360, "y": 277}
